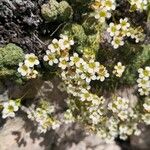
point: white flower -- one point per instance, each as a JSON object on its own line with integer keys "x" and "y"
{"x": 65, "y": 42}
{"x": 146, "y": 104}
{"x": 117, "y": 41}
{"x": 75, "y": 60}
{"x": 32, "y": 74}
{"x": 113, "y": 29}
{"x": 124, "y": 23}
{"x": 144, "y": 91}
{"x": 102, "y": 14}
{"x": 63, "y": 63}
{"x": 143, "y": 83}
{"x": 55, "y": 125}
{"x": 102, "y": 73}
{"x": 9, "y": 109}
{"x": 144, "y": 73}
{"x": 68, "y": 116}
{"x": 51, "y": 58}
{"x": 31, "y": 60}
{"x": 93, "y": 66}
{"x": 85, "y": 95}
{"x": 109, "y": 4}
{"x": 81, "y": 68}
{"x": 23, "y": 69}
{"x": 54, "y": 46}
{"x": 139, "y": 4}
{"x": 146, "y": 118}
{"x": 119, "y": 104}
{"x": 118, "y": 69}
{"x": 88, "y": 76}
{"x": 95, "y": 117}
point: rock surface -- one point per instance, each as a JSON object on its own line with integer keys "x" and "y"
{"x": 20, "y": 134}
{"x": 141, "y": 142}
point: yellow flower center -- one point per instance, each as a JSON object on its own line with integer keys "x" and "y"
{"x": 32, "y": 59}
{"x": 113, "y": 29}
{"x": 102, "y": 13}
{"x": 51, "y": 57}
{"x": 108, "y": 3}
{"x": 117, "y": 41}
{"x": 24, "y": 67}
{"x": 146, "y": 73}
{"x": 10, "y": 108}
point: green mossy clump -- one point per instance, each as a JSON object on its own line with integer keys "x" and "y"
{"x": 134, "y": 61}
{"x": 10, "y": 56}
{"x": 85, "y": 43}
{"x": 54, "y": 10}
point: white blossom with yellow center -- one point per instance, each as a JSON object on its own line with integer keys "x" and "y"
{"x": 144, "y": 73}
{"x": 118, "y": 69}
{"x": 9, "y": 109}
{"x": 63, "y": 63}
{"x": 109, "y": 4}
{"x": 54, "y": 46}
{"x": 93, "y": 66}
{"x": 65, "y": 42}
{"x": 143, "y": 83}
{"x": 101, "y": 14}
{"x": 113, "y": 29}
{"x": 144, "y": 91}
{"x": 23, "y": 69}
{"x": 102, "y": 73}
{"x": 124, "y": 23}
{"x": 139, "y": 5}
{"x": 31, "y": 60}
{"x": 117, "y": 41}
{"x": 75, "y": 60}
{"x": 85, "y": 95}
{"x": 146, "y": 104}
{"x": 50, "y": 57}
{"x": 32, "y": 74}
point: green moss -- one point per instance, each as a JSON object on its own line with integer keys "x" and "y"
{"x": 65, "y": 11}
{"x": 76, "y": 32}
{"x": 135, "y": 61}
{"x": 50, "y": 10}
{"x": 10, "y": 56}
{"x": 88, "y": 44}
{"x": 56, "y": 11}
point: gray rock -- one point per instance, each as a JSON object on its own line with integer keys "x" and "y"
{"x": 20, "y": 134}
{"x": 141, "y": 142}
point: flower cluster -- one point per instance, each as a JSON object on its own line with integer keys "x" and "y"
{"x": 10, "y": 107}
{"x": 74, "y": 65}
{"x": 120, "y": 106}
{"x": 118, "y": 32}
{"x": 123, "y": 121}
{"x": 42, "y": 115}
{"x": 138, "y": 5}
{"x": 146, "y": 104}
{"x": 146, "y": 115}
{"x": 108, "y": 122}
{"x": 87, "y": 71}
{"x": 144, "y": 81}
{"x": 26, "y": 68}
{"x": 103, "y": 9}
{"x": 58, "y": 48}
{"x": 118, "y": 69}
